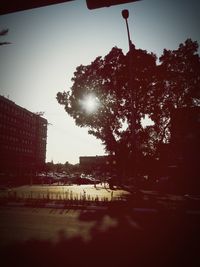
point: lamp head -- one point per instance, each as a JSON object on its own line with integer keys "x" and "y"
{"x": 125, "y": 13}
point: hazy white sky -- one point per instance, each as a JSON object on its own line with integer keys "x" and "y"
{"x": 49, "y": 43}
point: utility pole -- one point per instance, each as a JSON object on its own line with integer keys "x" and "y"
{"x": 133, "y": 147}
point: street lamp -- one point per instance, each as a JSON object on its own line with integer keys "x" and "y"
{"x": 125, "y": 15}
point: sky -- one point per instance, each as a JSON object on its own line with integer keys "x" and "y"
{"x": 48, "y": 44}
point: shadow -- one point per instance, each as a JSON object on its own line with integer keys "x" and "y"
{"x": 91, "y": 215}
{"x": 136, "y": 240}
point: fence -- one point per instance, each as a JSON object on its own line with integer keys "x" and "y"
{"x": 66, "y": 198}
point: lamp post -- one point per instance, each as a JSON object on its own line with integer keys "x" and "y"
{"x": 125, "y": 15}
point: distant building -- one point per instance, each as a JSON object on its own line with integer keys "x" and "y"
{"x": 179, "y": 159}
{"x": 185, "y": 126}
{"x": 98, "y": 163}
{"x": 185, "y": 144}
{"x": 23, "y": 137}
{"x": 185, "y": 136}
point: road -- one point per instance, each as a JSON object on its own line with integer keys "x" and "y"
{"x": 19, "y": 224}
{"x": 56, "y": 237}
{"x": 22, "y": 224}
{"x": 32, "y": 236}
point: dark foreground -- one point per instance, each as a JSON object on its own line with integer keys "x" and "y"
{"x": 110, "y": 237}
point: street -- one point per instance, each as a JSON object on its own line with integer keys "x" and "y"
{"x": 22, "y": 224}
{"x": 51, "y": 237}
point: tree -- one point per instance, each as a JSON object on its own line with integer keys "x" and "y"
{"x": 158, "y": 88}
{"x": 59, "y": 167}
{"x": 3, "y": 33}
{"x": 177, "y": 86}
{"x": 106, "y": 81}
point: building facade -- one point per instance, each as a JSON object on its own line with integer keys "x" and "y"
{"x": 98, "y": 163}
{"x": 185, "y": 145}
{"x": 23, "y": 138}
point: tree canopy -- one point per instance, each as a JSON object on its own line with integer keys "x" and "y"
{"x": 159, "y": 86}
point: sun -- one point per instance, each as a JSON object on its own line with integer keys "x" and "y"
{"x": 90, "y": 103}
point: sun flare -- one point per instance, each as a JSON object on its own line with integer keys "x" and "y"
{"x": 90, "y": 103}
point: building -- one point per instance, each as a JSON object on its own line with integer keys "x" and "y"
{"x": 185, "y": 145}
{"x": 179, "y": 159}
{"x": 185, "y": 126}
{"x": 23, "y": 137}
{"x": 185, "y": 136}
{"x": 98, "y": 163}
